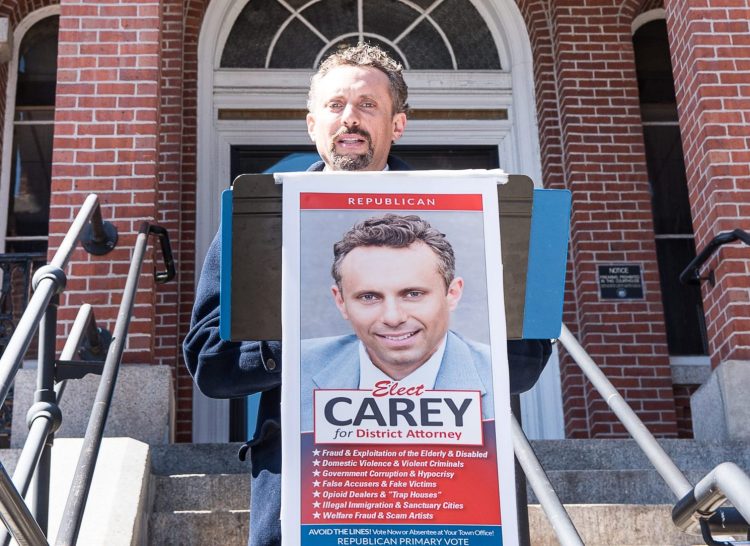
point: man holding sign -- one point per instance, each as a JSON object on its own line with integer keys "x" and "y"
{"x": 357, "y": 109}
{"x": 395, "y": 283}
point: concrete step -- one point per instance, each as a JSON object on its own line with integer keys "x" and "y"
{"x": 613, "y": 494}
{"x": 197, "y": 459}
{"x": 625, "y": 454}
{"x": 613, "y": 525}
{"x": 224, "y": 527}
{"x": 613, "y": 486}
{"x": 9, "y": 458}
{"x": 616, "y": 471}
{"x": 212, "y": 492}
{"x": 201, "y": 495}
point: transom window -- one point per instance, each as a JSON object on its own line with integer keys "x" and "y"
{"x": 422, "y": 34}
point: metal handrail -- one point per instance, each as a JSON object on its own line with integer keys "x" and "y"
{"x": 16, "y": 515}
{"x": 40, "y": 313}
{"x": 44, "y": 417}
{"x": 691, "y": 274}
{"x": 672, "y": 475}
{"x": 48, "y": 281}
{"x": 42, "y": 423}
{"x": 73, "y": 512}
{"x": 556, "y": 514}
{"x": 725, "y": 482}
{"x": 694, "y": 503}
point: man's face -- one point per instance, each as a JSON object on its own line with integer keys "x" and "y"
{"x": 397, "y": 303}
{"x": 352, "y": 121}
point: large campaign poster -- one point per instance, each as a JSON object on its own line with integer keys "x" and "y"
{"x": 395, "y": 404}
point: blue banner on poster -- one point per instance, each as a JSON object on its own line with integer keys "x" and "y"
{"x": 402, "y": 535}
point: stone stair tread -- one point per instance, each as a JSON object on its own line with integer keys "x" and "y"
{"x": 173, "y": 459}
{"x": 225, "y": 527}
{"x": 201, "y": 492}
{"x": 9, "y": 458}
{"x": 609, "y": 487}
{"x": 621, "y": 454}
{"x": 614, "y": 525}
{"x": 614, "y": 486}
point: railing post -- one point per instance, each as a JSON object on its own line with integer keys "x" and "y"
{"x": 45, "y": 399}
{"x": 44, "y": 417}
{"x": 522, "y": 503}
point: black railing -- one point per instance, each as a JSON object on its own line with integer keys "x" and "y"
{"x": 85, "y": 347}
{"x": 17, "y": 270}
{"x": 691, "y": 275}
{"x": 79, "y": 491}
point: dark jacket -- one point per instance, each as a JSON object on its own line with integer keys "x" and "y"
{"x": 225, "y": 369}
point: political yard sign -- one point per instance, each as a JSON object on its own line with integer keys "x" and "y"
{"x": 395, "y": 404}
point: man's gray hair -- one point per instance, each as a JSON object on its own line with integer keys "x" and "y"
{"x": 366, "y": 55}
{"x": 395, "y": 231}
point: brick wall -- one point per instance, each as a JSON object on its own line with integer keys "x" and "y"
{"x": 106, "y": 141}
{"x": 537, "y": 17}
{"x": 173, "y": 198}
{"x": 710, "y": 45}
{"x": 588, "y": 103}
{"x": 122, "y": 103}
{"x": 131, "y": 135}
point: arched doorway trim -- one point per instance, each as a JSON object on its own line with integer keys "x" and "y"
{"x": 647, "y": 17}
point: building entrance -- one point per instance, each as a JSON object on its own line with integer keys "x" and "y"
{"x": 471, "y": 89}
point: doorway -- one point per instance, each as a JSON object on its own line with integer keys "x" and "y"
{"x": 252, "y": 92}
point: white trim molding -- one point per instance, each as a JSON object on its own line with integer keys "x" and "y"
{"x": 647, "y": 17}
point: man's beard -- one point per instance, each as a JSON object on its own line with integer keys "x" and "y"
{"x": 352, "y": 162}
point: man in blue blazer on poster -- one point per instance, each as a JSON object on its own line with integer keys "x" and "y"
{"x": 395, "y": 283}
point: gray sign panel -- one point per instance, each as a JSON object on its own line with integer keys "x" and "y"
{"x": 620, "y": 282}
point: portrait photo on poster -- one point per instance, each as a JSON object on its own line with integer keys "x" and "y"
{"x": 321, "y": 229}
{"x": 393, "y": 297}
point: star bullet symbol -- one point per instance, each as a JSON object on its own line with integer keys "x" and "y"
{"x": 316, "y": 462}
{"x": 316, "y": 452}
{"x": 316, "y": 504}
{"x": 316, "y": 494}
{"x": 316, "y": 473}
{"x": 316, "y": 483}
{"x": 316, "y": 515}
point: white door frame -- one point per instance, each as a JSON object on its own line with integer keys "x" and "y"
{"x": 517, "y": 137}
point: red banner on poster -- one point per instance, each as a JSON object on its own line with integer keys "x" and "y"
{"x": 390, "y": 201}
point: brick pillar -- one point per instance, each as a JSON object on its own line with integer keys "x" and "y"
{"x": 604, "y": 167}
{"x": 177, "y": 201}
{"x": 537, "y": 17}
{"x": 106, "y": 141}
{"x": 710, "y": 46}
{"x": 710, "y": 43}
